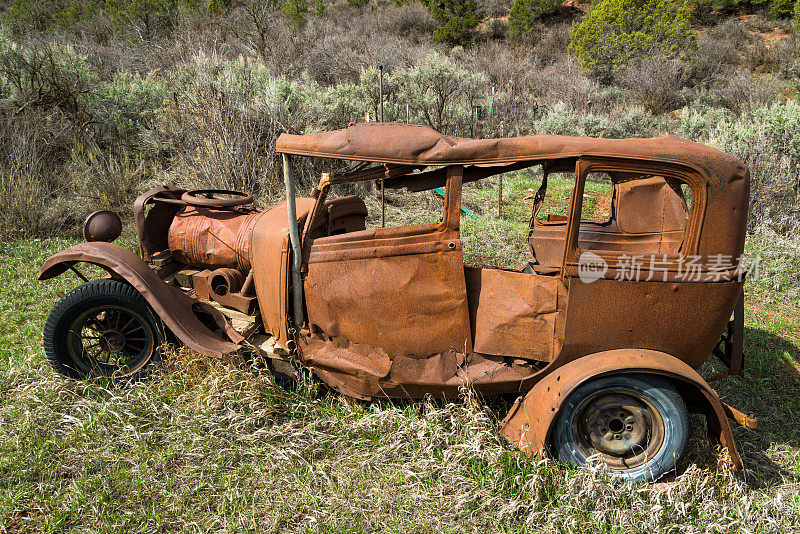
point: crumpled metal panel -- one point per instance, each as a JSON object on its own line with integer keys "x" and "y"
{"x": 516, "y": 314}
{"x": 212, "y": 238}
{"x": 365, "y": 372}
{"x": 529, "y": 422}
{"x": 169, "y": 303}
{"x": 649, "y": 205}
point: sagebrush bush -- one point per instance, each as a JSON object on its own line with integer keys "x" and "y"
{"x": 616, "y": 33}
{"x": 656, "y": 83}
{"x": 767, "y": 140}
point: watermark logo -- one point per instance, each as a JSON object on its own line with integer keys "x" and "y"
{"x": 591, "y": 267}
{"x": 661, "y": 268}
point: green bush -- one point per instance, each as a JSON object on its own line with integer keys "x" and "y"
{"x": 456, "y": 20}
{"x": 781, "y": 9}
{"x": 796, "y": 16}
{"x": 616, "y": 33}
{"x": 25, "y": 16}
{"x": 524, "y": 13}
{"x": 295, "y": 12}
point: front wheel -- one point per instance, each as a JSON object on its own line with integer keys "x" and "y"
{"x": 637, "y": 425}
{"x": 103, "y": 328}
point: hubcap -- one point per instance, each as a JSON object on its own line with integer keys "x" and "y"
{"x": 622, "y": 426}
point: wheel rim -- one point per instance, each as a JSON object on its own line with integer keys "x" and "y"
{"x": 622, "y": 426}
{"x": 110, "y": 340}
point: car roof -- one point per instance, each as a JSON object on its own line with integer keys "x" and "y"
{"x": 727, "y": 179}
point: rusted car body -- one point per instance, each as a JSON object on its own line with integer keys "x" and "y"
{"x": 397, "y": 312}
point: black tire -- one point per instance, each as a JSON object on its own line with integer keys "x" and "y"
{"x": 126, "y": 336}
{"x": 637, "y": 424}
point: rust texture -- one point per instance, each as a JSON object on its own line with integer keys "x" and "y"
{"x": 174, "y": 308}
{"x": 397, "y": 312}
{"x": 529, "y": 422}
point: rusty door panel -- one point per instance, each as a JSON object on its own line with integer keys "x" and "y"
{"x": 685, "y": 319}
{"x": 404, "y": 298}
{"x": 516, "y": 314}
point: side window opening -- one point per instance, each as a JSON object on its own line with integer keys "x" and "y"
{"x": 494, "y": 235}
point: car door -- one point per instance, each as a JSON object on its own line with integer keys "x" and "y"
{"x": 400, "y": 289}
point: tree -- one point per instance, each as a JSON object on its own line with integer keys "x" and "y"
{"x": 780, "y": 9}
{"x": 796, "y": 18}
{"x": 146, "y": 16}
{"x": 524, "y": 13}
{"x": 616, "y": 33}
{"x": 456, "y": 20}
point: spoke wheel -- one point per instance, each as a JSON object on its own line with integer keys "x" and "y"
{"x": 637, "y": 425}
{"x": 103, "y": 328}
{"x": 110, "y": 340}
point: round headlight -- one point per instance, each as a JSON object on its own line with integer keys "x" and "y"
{"x": 102, "y": 225}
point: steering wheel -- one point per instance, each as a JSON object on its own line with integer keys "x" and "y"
{"x": 209, "y": 198}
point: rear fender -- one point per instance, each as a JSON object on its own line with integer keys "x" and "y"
{"x": 169, "y": 303}
{"x": 530, "y": 421}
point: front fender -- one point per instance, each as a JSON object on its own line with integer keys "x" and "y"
{"x": 529, "y": 422}
{"x": 169, "y": 303}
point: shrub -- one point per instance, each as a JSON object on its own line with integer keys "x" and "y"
{"x": 616, "y": 33}
{"x": 524, "y": 13}
{"x": 456, "y": 20}
{"x": 408, "y": 20}
{"x": 767, "y": 140}
{"x": 224, "y": 126}
{"x": 27, "y": 16}
{"x": 796, "y": 16}
{"x": 146, "y": 17}
{"x": 780, "y": 9}
{"x": 442, "y": 94}
{"x": 656, "y": 83}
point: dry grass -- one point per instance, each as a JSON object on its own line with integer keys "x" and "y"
{"x": 218, "y": 445}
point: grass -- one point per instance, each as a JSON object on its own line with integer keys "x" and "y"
{"x": 218, "y": 446}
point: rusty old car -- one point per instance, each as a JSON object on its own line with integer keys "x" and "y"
{"x": 603, "y": 364}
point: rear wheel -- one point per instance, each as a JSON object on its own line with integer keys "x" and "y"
{"x": 103, "y": 328}
{"x": 637, "y": 425}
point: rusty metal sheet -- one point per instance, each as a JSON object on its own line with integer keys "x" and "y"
{"x": 212, "y": 238}
{"x": 270, "y": 253}
{"x": 169, "y": 303}
{"x": 409, "y": 144}
{"x": 405, "y": 294}
{"x": 516, "y": 314}
{"x": 685, "y": 319}
{"x": 365, "y": 372}
{"x": 529, "y": 422}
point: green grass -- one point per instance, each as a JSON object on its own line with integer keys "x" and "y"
{"x": 219, "y": 446}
